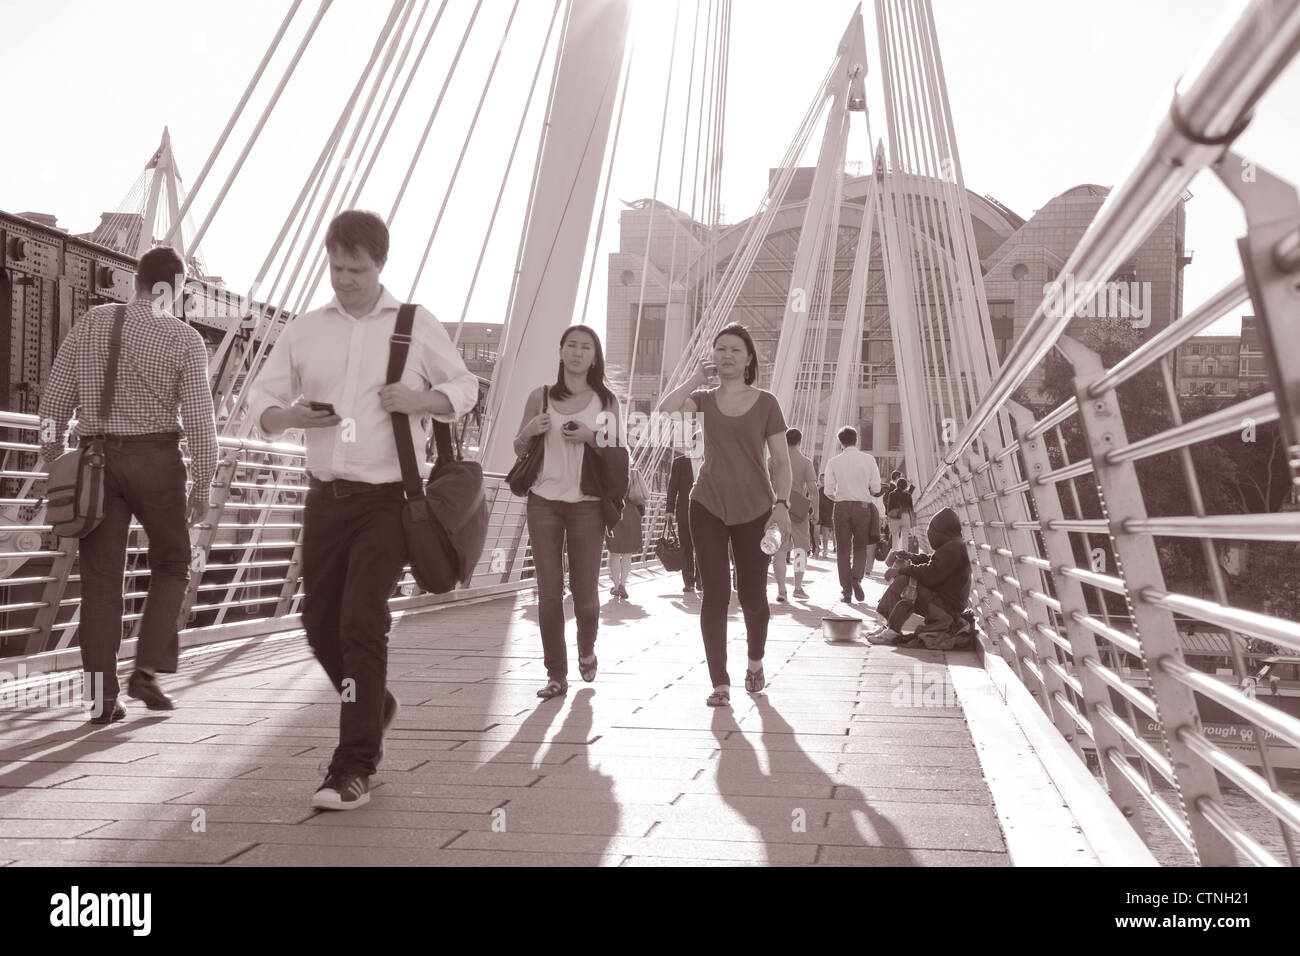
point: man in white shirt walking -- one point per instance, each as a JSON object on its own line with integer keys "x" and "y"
{"x": 328, "y": 369}
{"x": 852, "y": 481}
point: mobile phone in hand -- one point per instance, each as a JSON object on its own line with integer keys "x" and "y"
{"x": 570, "y": 426}
{"x": 322, "y": 407}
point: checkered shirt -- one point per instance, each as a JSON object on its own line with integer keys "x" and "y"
{"x": 163, "y": 370}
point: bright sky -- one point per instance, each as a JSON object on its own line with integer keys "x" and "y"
{"x": 1046, "y": 95}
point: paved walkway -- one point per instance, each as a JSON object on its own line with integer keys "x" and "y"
{"x": 854, "y": 755}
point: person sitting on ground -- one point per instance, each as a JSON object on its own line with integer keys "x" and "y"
{"x": 943, "y": 581}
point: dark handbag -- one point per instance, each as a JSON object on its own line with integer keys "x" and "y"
{"x": 445, "y": 523}
{"x": 669, "y": 548}
{"x": 74, "y": 487}
{"x": 523, "y": 474}
{"x": 897, "y": 602}
{"x": 882, "y": 547}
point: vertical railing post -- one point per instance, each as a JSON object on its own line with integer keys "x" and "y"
{"x": 290, "y": 587}
{"x": 981, "y": 513}
{"x": 1010, "y": 508}
{"x": 1047, "y": 503}
{"x": 1139, "y": 568}
{"x": 51, "y": 595}
{"x": 202, "y": 546}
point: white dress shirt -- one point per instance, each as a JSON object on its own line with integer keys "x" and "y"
{"x": 852, "y": 475}
{"x": 326, "y": 355}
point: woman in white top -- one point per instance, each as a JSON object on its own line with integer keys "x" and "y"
{"x": 560, "y": 517}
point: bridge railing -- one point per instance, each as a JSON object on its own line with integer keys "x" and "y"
{"x": 1072, "y": 560}
{"x": 245, "y": 557}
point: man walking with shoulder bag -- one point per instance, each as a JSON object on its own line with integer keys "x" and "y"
{"x": 133, "y": 373}
{"x": 329, "y": 368}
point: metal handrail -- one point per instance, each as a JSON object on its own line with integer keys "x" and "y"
{"x": 1225, "y": 421}
{"x": 1210, "y": 102}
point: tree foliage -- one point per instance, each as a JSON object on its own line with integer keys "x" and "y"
{"x": 1242, "y": 472}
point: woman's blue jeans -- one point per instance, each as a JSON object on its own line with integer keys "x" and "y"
{"x": 551, "y": 526}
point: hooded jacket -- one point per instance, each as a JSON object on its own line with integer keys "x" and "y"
{"x": 947, "y": 572}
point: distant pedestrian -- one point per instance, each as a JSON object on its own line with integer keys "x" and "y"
{"x": 685, "y": 469}
{"x": 803, "y": 505}
{"x": 561, "y": 518}
{"x": 901, "y": 514}
{"x": 825, "y": 518}
{"x": 732, "y": 503}
{"x": 160, "y": 381}
{"x": 852, "y": 481}
{"x": 627, "y": 539}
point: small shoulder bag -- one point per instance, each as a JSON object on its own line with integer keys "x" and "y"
{"x": 74, "y": 489}
{"x": 528, "y": 466}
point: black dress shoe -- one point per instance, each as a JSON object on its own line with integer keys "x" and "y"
{"x": 145, "y": 687}
{"x": 114, "y": 710}
{"x": 858, "y": 592}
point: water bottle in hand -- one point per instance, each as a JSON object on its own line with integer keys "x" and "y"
{"x": 771, "y": 542}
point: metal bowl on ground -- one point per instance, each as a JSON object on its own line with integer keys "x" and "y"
{"x": 837, "y": 628}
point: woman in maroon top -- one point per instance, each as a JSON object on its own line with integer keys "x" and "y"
{"x": 733, "y": 500}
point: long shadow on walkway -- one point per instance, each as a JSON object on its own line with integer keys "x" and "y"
{"x": 583, "y": 817}
{"x": 829, "y": 813}
{"x": 68, "y": 743}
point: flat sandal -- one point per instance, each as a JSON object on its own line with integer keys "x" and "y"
{"x": 553, "y": 688}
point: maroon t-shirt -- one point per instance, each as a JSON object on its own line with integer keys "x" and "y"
{"x": 733, "y": 483}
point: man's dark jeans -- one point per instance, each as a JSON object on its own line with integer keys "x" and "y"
{"x": 711, "y": 539}
{"x": 552, "y": 525}
{"x": 857, "y": 526}
{"x": 353, "y": 552}
{"x": 145, "y": 479}
{"x": 688, "y": 547}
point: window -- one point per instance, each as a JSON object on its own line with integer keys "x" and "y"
{"x": 895, "y": 427}
{"x": 865, "y": 415}
{"x": 1003, "y": 323}
{"x": 1196, "y": 350}
{"x": 650, "y": 339}
{"x": 1211, "y": 368}
{"x": 877, "y": 351}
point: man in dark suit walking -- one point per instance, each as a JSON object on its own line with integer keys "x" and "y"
{"x": 680, "y": 481}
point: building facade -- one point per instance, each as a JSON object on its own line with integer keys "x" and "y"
{"x": 668, "y": 267}
{"x": 1209, "y": 365}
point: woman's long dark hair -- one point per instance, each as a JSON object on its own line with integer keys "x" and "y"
{"x": 738, "y": 330}
{"x": 595, "y": 374}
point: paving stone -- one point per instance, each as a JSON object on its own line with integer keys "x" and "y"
{"x": 633, "y": 770}
{"x": 122, "y": 851}
{"x": 271, "y": 833}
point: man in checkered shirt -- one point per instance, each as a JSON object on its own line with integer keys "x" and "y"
{"x": 162, "y": 370}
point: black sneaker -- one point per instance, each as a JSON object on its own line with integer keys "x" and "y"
{"x": 342, "y": 791}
